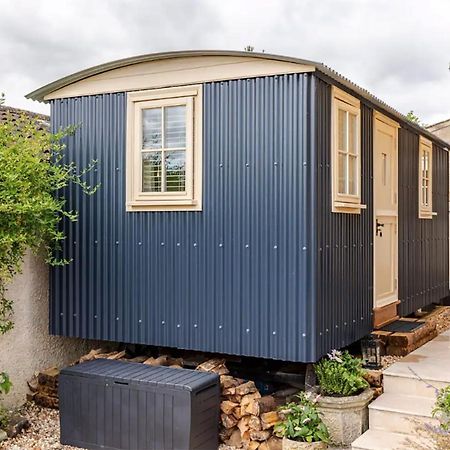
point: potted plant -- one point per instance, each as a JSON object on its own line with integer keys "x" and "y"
{"x": 344, "y": 396}
{"x": 301, "y": 426}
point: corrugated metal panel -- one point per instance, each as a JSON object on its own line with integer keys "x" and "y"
{"x": 235, "y": 278}
{"x": 344, "y": 241}
{"x": 423, "y": 244}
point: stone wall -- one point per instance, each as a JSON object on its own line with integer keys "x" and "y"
{"x": 28, "y": 347}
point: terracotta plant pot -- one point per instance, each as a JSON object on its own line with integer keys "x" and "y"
{"x": 345, "y": 417}
{"x": 289, "y": 444}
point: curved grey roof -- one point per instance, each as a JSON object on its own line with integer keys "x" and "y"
{"x": 41, "y": 93}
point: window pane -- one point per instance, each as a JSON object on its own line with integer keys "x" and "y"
{"x": 151, "y": 128}
{"x": 175, "y": 170}
{"x": 352, "y": 141}
{"x": 151, "y": 172}
{"x": 342, "y": 173}
{"x": 342, "y": 130}
{"x": 352, "y": 175}
{"x": 175, "y": 127}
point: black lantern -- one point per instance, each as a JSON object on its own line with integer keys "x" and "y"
{"x": 371, "y": 352}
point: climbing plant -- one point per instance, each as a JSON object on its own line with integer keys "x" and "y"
{"x": 33, "y": 171}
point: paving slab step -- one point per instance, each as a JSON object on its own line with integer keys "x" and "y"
{"x": 411, "y": 385}
{"x": 385, "y": 440}
{"x": 400, "y": 413}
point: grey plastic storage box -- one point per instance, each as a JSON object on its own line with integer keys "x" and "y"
{"x": 122, "y": 405}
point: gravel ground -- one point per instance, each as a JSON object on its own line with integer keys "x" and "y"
{"x": 43, "y": 433}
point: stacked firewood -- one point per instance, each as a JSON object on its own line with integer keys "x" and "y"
{"x": 44, "y": 388}
{"x": 247, "y": 418}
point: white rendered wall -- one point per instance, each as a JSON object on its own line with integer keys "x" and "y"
{"x": 29, "y": 347}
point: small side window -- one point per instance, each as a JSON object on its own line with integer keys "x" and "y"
{"x": 425, "y": 179}
{"x": 164, "y": 153}
{"x": 346, "y": 152}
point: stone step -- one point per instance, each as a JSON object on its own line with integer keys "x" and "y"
{"x": 386, "y": 440}
{"x": 411, "y": 385}
{"x": 400, "y": 413}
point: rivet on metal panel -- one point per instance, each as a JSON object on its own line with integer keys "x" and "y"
{"x": 303, "y": 334}
{"x": 362, "y": 318}
{"x": 247, "y": 245}
{"x": 247, "y": 330}
{"x": 195, "y": 244}
{"x": 178, "y": 244}
{"x": 140, "y": 321}
{"x": 162, "y": 244}
{"x": 274, "y": 333}
{"x": 275, "y": 247}
{"x": 220, "y": 165}
{"x": 117, "y": 318}
{"x": 163, "y": 322}
{"x": 304, "y": 163}
{"x": 74, "y": 315}
{"x": 139, "y": 243}
{"x": 61, "y": 314}
{"x": 327, "y": 330}
{"x": 345, "y": 323}
{"x": 178, "y": 325}
{"x": 195, "y": 325}
{"x": 337, "y": 326}
{"x": 95, "y": 242}
{"x": 220, "y": 327}
{"x": 304, "y": 248}
{"x": 117, "y": 242}
{"x": 117, "y": 168}
{"x": 95, "y": 316}
{"x": 247, "y": 165}
{"x": 74, "y": 242}
{"x": 320, "y": 334}
{"x": 220, "y": 245}
{"x": 275, "y": 164}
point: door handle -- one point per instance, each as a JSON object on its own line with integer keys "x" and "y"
{"x": 378, "y": 229}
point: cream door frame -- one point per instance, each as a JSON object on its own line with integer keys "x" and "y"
{"x": 389, "y": 214}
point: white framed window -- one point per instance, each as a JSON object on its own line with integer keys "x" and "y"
{"x": 164, "y": 149}
{"x": 425, "y": 179}
{"x": 346, "y": 152}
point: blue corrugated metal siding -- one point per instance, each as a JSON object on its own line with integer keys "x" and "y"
{"x": 344, "y": 241}
{"x": 235, "y": 278}
{"x": 423, "y": 244}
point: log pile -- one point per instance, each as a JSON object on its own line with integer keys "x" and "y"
{"x": 44, "y": 388}
{"x": 246, "y": 418}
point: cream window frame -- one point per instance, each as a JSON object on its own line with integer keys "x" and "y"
{"x": 425, "y": 207}
{"x": 191, "y": 198}
{"x": 344, "y": 202}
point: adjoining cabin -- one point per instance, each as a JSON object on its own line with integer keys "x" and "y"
{"x": 250, "y": 204}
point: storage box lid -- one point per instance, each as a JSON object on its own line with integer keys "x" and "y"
{"x": 131, "y": 372}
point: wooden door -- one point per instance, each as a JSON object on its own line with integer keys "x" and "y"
{"x": 385, "y": 220}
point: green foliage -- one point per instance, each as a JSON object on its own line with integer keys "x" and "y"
{"x": 5, "y": 383}
{"x": 249, "y": 48}
{"x": 5, "y": 386}
{"x": 340, "y": 374}
{"x": 2, "y": 98}
{"x": 442, "y": 408}
{"x": 301, "y": 422}
{"x": 413, "y": 118}
{"x": 32, "y": 173}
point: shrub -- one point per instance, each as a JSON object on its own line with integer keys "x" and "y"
{"x": 442, "y": 408}
{"x": 33, "y": 170}
{"x": 301, "y": 422}
{"x": 5, "y": 386}
{"x": 340, "y": 374}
